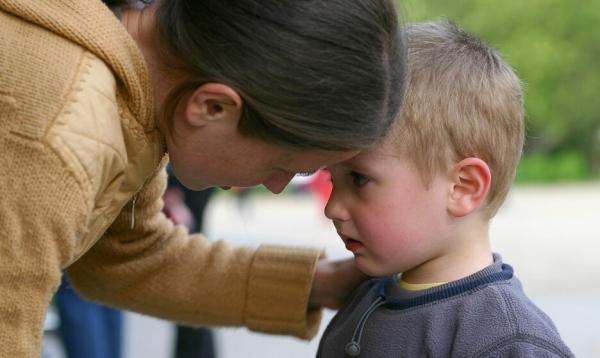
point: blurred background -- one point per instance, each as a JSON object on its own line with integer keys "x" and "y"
{"x": 555, "y": 47}
{"x": 548, "y": 229}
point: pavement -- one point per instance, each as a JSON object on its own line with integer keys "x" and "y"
{"x": 549, "y": 234}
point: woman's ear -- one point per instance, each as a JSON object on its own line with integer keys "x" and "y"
{"x": 213, "y": 102}
{"x": 470, "y": 181}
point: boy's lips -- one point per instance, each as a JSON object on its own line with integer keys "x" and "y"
{"x": 351, "y": 244}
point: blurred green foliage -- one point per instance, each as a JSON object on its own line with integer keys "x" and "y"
{"x": 539, "y": 167}
{"x": 554, "y": 45}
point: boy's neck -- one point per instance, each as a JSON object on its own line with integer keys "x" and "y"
{"x": 467, "y": 252}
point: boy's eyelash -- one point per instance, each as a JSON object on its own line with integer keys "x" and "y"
{"x": 356, "y": 177}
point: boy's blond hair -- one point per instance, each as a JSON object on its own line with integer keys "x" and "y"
{"x": 462, "y": 100}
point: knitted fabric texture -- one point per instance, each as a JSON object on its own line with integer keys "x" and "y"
{"x": 81, "y": 162}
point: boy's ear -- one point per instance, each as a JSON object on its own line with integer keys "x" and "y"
{"x": 470, "y": 181}
{"x": 213, "y": 102}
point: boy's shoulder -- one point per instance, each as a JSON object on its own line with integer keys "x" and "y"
{"x": 499, "y": 320}
{"x": 494, "y": 319}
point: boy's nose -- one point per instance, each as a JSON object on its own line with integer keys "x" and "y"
{"x": 277, "y": 182}
{"x": 335, "y": 209}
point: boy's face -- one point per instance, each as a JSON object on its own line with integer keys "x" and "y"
{"x": 384, "y": 213}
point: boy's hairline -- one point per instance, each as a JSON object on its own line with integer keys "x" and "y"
{"x": 450, "y": 154}
{"x": 427, "y": 176}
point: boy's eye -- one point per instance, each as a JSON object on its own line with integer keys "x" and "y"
{"x": 358, "y": 179}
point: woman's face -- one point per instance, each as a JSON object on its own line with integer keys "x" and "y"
{"x": 207, "y": 149}
{"x": 231, "y": 159}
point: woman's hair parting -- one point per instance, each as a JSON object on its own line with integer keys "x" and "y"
{"x": 312, "y": 74}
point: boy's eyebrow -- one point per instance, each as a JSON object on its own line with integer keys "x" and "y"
{"x": 346, "y": 167}
{"x": 353, "y": 163}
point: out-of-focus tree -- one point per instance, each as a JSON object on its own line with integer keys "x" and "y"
{"x": 555, "y": 47}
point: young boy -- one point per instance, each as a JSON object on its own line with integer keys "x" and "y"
{"x": 420, "y": 205}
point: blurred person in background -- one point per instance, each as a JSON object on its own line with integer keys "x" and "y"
{"x": 187, "y": 207}
{"x": 88, "y": 330}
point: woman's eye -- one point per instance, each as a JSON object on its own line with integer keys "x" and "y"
{"x": 306, "y": 174}
{"x": 358, "y": 179}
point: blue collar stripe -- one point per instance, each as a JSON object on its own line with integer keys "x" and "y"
{"x": 447, "y": 292}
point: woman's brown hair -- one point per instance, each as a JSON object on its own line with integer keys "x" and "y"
{"x": 313, "y": 74}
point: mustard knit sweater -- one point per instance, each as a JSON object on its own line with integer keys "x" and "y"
{"x": 81, "y": 179}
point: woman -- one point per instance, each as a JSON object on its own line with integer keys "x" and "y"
{"x": 239, "y": 92}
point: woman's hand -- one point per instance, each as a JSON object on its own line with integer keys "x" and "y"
{"x": 333, "y": 283}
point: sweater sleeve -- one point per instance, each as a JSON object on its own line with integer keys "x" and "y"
{"x": 159, "y": 269}
{"x": 41, "y": 211}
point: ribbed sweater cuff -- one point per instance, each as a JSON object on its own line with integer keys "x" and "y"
{"x": 278, "y": 290}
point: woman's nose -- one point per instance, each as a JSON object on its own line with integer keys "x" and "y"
{"x": 277, "y": 182}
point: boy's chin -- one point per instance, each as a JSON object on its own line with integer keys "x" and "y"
{"x": 370, "y": 268}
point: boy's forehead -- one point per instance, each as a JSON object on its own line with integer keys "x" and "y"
{"x": 370, "y": 156}
{"x": 313, "y": 160}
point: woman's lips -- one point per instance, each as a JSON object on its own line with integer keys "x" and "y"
{"x": 353, "y": 245}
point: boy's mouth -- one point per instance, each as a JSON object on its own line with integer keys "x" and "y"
{"x": 351, "y": 244}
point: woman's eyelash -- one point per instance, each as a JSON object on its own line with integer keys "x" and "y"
{"x": 306, "y": 174}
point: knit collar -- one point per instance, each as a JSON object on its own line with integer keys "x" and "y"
{"x": 90, "y": 24}
{"x": 393, "y": 297}
{"x": 399, "y": 298}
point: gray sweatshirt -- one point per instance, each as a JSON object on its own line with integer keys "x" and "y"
{"x": 486, "y": 314}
